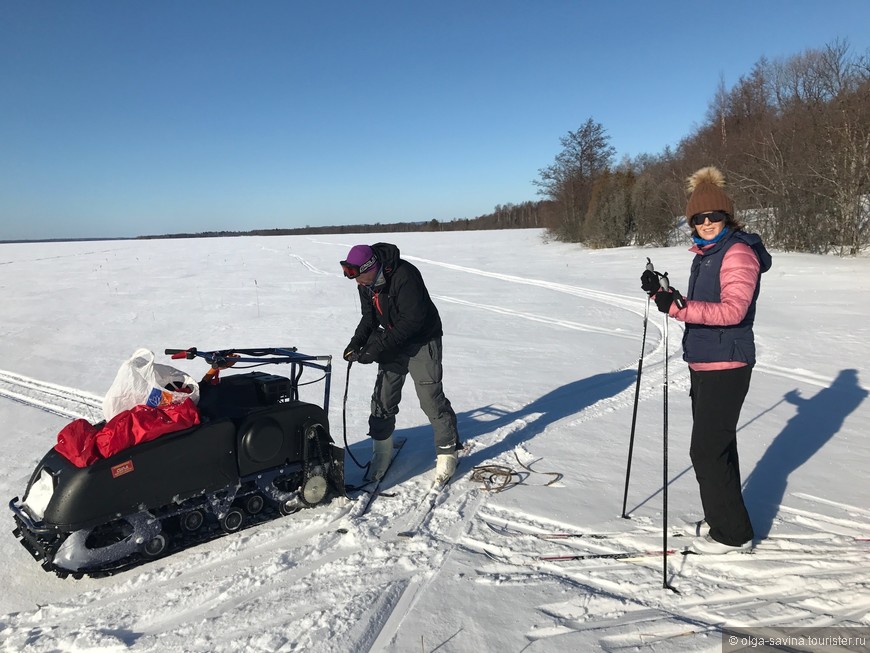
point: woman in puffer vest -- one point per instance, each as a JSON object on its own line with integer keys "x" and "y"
{"x": 719, "y": 346}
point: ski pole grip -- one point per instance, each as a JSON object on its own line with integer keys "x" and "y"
{"x": 666, "y": 286}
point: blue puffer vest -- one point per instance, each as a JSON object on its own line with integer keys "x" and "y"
{"x": 714, "y": 344}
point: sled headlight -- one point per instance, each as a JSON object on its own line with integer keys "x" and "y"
{"x": 39, "y": 494}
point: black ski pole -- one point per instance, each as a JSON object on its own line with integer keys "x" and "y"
{"x": 665, "y": 584}
{"x": 649, "y": 266}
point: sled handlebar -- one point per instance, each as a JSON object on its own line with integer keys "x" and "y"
{"x": 263, "y": 355}
{"x": 223, "y": 358}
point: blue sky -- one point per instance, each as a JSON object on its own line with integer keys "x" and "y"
{"x": 131, "y": 118}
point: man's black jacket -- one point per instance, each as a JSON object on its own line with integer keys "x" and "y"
{"x": 401, "y": 306}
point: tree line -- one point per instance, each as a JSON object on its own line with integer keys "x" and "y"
{"x": 526, "y": 215}
{"x": 792, "y": 138}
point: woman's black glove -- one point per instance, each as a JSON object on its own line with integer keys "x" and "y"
{"x": 664, "y": 299}
{"x": 649, "y": 281}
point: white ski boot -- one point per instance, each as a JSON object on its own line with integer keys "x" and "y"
{"x": 445, "y": 467}
{"x": 693, "y": 527}
{"x": 708, "y": 546}
{"x": 382, "y": 454}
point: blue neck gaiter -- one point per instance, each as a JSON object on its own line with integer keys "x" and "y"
{"x": 700, "y": 242}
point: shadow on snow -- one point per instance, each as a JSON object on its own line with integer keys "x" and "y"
{"x": 816, "y": 421}
{"x": 524, "y": 424}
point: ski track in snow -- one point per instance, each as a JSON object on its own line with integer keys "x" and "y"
{"x": 50, "y": 397}
{"x": 539, "y": 318}
{"x": 372, "y": 579}
{"x": 312, "y": 268}
{"x": 825, "y": 562}
{"x": 631, "y": 303}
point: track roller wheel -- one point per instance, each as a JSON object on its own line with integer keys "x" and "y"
{"x": 288, "y": 507}
{"x": 191, "y": 521}
{"x": 254, "y": 504}
{"x": 233, "y": 520}
{"x": 155, "y": 546}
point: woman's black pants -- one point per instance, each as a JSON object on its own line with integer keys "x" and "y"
{"x": 717, "y": 397}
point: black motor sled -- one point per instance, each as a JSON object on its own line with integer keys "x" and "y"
{"x": 258, "y": 453}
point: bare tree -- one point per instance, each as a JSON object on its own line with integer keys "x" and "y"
{"x": 586, "y": 154}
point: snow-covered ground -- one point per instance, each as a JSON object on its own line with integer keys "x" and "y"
{"x": 541, "y": 347}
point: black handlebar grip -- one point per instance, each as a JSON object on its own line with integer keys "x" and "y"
{"x": 181, "y": 353}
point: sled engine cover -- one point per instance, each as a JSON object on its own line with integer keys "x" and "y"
{"x": 274, "y": 436}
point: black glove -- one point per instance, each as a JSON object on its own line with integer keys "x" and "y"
{"x": 649, "y": 281}
{"x": 369, "y": 354}
{"x": 351, "y": 352}
{"x": 664, "y": 299}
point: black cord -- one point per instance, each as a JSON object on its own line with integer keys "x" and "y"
{"x": 344, "y": 418}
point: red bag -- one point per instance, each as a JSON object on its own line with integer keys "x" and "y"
{"x": 83, "y": 444}
{"x": 77, "y": 441}
{"x": 143, "y": 424}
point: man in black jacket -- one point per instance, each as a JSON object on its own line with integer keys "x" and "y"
{"x": 400, "y": 329}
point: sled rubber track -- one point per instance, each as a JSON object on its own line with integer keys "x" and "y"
{"x": 178, "y": 540}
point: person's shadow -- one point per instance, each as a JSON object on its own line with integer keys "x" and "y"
{"x": 556, "y": 405}
{"x": 817, "y": 420}
{"x": 520, "y": 425}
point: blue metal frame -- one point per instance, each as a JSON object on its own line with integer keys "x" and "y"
{"x": 265, "y": 356}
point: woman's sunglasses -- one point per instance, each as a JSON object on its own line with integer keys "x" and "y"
{"x": 714, "y": 216}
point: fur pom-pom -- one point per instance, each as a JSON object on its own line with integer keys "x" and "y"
{"x": 710, "y": 175}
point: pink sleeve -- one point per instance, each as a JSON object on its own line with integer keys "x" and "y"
{"x": 738, "y": 277}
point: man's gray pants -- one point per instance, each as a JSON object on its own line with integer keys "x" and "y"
{"x": 423, "y": 363}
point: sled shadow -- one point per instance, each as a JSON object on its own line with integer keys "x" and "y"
{"x": 817, "y": 420}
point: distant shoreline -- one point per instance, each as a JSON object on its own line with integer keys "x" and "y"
{"x": 475, "y": 224}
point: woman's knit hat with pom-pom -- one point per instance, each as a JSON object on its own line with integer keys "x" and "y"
{"x": 706, "y": 186}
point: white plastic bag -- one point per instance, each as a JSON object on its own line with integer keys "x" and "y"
{"x": 142, "y": 381}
